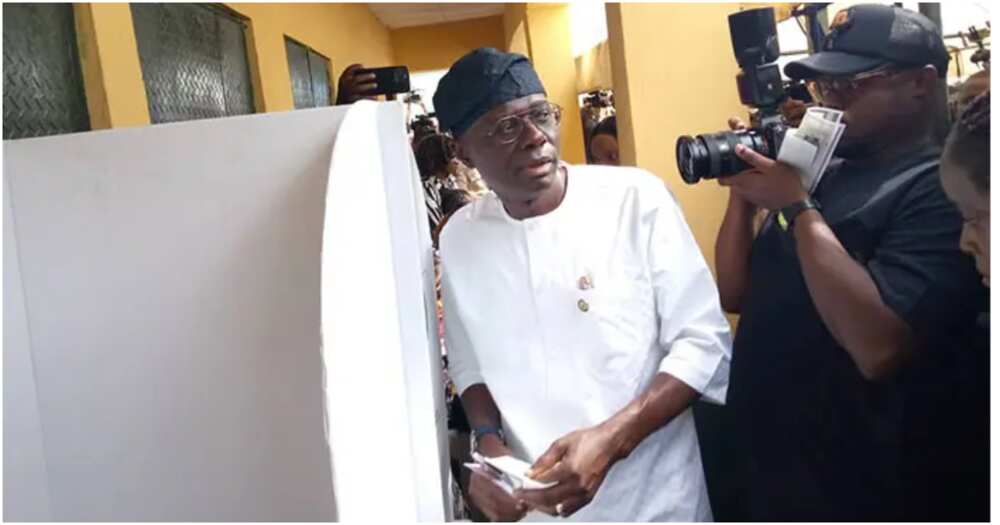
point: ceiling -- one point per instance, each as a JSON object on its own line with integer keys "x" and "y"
{"x": 395, "y": 16}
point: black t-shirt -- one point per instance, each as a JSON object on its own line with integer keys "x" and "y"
{"x": 821, "y": 442}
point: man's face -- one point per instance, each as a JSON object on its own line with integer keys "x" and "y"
{"x": 878, "y": 106}
{"x": 525, "y": 167}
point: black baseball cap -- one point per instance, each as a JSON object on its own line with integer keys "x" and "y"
{"x": 867, "y": 36}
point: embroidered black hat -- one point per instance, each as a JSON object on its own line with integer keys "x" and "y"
{"x": 480, "y": 81}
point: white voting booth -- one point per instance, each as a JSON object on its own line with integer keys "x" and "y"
{"x": 221, "y": 320}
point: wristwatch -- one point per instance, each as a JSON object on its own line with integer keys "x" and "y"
{"x": 478, "y": 432}
{"x": 786, "y": 216}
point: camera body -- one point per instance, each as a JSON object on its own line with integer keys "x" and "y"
{"x": 754, "y": 38}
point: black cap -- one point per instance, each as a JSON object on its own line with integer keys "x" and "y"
{"x": 867, "y": 36}
{"x": 480, "y": 81}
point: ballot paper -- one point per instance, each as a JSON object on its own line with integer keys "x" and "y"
{"x": 507, "y": 472}
{"x": 810, "y": 147}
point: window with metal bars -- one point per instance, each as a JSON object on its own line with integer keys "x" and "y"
{"x": 43, "y": 90}
{"x": 194, "y": 61}
{"x": 310, "y": 75}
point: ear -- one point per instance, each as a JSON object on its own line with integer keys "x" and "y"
{"x": 925, "y": 80}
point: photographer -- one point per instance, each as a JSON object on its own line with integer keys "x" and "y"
{"x": 852, "y": 299}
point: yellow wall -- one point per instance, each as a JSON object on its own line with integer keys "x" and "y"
{"x": 438, "y": 46}
{"x": 344, "y": 33}
{"x": 593, "y": 69}
{"x": 116, "y": 95}
{"x": 552, "y": 55}
{"x": 661, "y": 95}
{"x": 109, "y": 60}
{"x": 515, "y": 29}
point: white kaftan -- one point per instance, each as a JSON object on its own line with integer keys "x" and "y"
{"x": 566, "y": 318}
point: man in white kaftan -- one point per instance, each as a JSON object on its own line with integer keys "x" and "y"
{"x": 581, "y": 319}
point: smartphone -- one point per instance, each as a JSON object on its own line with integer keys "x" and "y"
{"x": 390, "y": 80}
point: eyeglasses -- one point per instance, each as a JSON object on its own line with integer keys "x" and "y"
{"x": 825, "y": 88}
{"x": 545, "y": 117}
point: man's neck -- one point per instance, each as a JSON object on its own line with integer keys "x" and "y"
{"x": 520, "y": 209}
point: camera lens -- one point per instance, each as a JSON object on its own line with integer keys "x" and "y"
{"x": 713, "y": 155}
{"x": 692, "y": 158}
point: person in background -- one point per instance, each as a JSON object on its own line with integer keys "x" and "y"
{"x": 604, "y": 142}
{"x": 435, "y": 155}
{"x": 451, "y": 201}
{"x": 432, "y": 156}
{"x": 973, "y": 86}
{"x": 959, "y": 452}
{"x": 465, "y": 178}
{"x": 965, "y": 176}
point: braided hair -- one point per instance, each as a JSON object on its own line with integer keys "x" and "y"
{"x": 968, "y": 144}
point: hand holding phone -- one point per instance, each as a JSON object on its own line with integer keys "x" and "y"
{"x": 388, "y": 80}
{"x": 355, "y": 85}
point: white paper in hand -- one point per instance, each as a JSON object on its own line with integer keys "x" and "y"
{"x": 798, "y": 152}
{"x": 810, "y": 147}
{"x": 507, "y": 472}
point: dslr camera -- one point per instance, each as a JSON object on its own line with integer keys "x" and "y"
{"x": 755, "y": 43}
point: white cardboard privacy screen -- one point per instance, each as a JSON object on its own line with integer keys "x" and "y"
{"x": 385, "y": 393}
{"x": 162, "y": 323}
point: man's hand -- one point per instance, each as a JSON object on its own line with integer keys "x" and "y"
{"x": 793, "y": 111}
{"x": 767, "y": 184}
{"x": 579, "y": 462}
{"x": 493, "y": 501}
{"x": 737, "y": 203}
{"x": 352, "y": 88}
{"x": 485, "y": 495}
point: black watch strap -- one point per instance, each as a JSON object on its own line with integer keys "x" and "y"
{"x": 787, "y": 215}
{"x": 478, "y": 433}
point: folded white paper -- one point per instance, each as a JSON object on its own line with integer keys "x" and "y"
{"x": 507, "y": 472}
{"x": 810, "y": 147}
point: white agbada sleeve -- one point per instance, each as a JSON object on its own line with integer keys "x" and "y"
{"x": 463, "y": 367}
{"x": 693, "y": 330}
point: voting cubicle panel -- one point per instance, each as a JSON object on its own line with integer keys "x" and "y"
{"x": 188, "y": 323}
{"x": 387, "y": 371}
